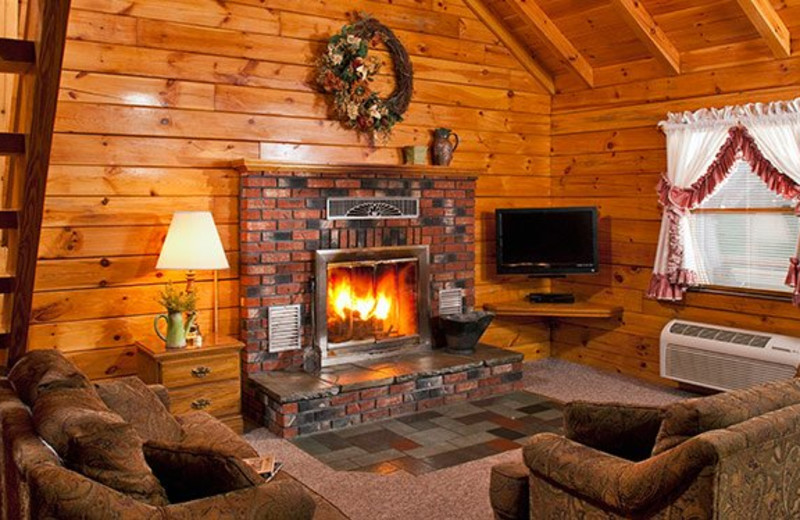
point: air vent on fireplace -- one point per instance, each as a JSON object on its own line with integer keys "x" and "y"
{"x": 364, "y": 208}
{"x": 285, "y": 327}
{"x": 451, "y": 301}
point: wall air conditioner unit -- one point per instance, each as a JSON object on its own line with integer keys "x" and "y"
{"x": 723, "y": 358}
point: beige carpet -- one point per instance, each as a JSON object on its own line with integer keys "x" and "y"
{"x": 459, "y": 492}
{"x": 565, "y": 382}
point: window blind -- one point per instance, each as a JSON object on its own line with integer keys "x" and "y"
{"x": 748, "y": 248}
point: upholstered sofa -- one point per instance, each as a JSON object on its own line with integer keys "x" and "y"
{"x": 734, "y": 455}
{"x": 73, "y": 449}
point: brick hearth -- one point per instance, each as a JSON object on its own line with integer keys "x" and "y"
{"x": 298, "y": 403}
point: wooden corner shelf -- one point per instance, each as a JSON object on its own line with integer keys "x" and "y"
{"x": 554, "y": 310}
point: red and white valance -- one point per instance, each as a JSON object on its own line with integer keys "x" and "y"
{"x": 702, "y": 148}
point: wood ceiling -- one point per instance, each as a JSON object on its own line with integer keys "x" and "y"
{"x": 577, "y": 44}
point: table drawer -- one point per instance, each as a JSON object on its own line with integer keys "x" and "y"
{"x": 182, "y": 372}
{"x": 218, "y": 398}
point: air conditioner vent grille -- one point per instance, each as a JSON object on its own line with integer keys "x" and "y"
{"x": 724, "y": 336}
{"x": 721, "y": 371}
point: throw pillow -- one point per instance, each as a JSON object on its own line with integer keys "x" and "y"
{"x": 67, "y": 412}
{"x": 141, "y": 408}
{"x": 192, "y": 472}
{"x": 627, "y": 431}
{"x": 112, "y": 455}
{"x": 84, "y": 432}
{"x": 688, "y": 418}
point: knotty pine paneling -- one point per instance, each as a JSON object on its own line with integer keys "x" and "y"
{"x": 158, "y": 96}
{"x": 608, "y": 151}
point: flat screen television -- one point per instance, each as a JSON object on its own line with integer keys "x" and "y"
{"x": 547, "y": 241}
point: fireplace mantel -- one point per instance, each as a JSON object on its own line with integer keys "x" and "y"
{"x": 406, "y": 171}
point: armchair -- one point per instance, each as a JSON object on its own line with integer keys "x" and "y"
{"x": 729, "y": 456}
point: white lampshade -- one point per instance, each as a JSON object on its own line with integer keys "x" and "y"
{"x": 192, "y": 243}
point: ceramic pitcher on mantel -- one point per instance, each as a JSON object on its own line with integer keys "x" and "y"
{"x": 443, "y": 147}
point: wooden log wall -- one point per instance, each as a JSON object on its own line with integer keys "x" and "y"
{"x": 158, "y": 96}
{"x": 608, "y": 151}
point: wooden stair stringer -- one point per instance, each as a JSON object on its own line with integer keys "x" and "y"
{"x": 35, "y": 110}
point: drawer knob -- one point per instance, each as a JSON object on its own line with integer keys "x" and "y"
{"x": 199, "y": 404}
{"x": 201, "y": 372}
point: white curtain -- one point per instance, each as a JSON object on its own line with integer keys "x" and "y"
{"x": 775, "y": 128}
{"x": 692, "y": 149}
{"x": 693, "y": 140}
{"x": 694, "y": 143}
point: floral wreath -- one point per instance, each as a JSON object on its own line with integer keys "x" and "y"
{"x": 346, "y": 71}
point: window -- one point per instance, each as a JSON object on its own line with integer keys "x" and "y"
{"x": 743, "y": 235}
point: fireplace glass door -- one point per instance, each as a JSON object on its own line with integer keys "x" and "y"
{"x": 372, "y": 301}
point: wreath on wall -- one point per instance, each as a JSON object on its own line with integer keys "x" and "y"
{"x": 346, "y": 71}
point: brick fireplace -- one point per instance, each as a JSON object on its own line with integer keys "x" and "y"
{"x": 293, "y": 244}
{"x": 283, "y": 223}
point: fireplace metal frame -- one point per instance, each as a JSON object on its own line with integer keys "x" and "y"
{"x": 378, "y": 349}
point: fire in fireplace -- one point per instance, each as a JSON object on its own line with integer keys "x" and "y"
{"x": 371, "y": 301}
{"x": 374, "y": 302}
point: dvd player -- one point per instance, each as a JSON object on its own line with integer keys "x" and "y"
{"x": 551, "y": 298}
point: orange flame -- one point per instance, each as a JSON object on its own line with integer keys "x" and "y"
{"x": 371, "y": 302}
{"x": 344, "y": 299}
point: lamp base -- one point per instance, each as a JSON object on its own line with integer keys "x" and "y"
{"x": 190, "y": 278}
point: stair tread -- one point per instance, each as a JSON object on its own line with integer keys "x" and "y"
{"x": 7, "y": 284}
{"x": 16, "y": 56}
{"x": 12, "y": 143}
{"x": 9, "y": 218}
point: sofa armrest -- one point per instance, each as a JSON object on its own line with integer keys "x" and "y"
{"x": 56, "y": 492}
{"x": 627, "y": 431}
{"x": 509, "y": 491}
{"x": 203, "y": 429}
{"x": 625, "y": 486}
{"x": 162, "y": 393}
{"x": 286, "y": 500}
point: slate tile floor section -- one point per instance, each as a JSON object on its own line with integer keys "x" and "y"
{"x": 436, "y": 439}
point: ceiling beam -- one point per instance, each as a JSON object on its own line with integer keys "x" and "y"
{"x": 514, "y": 46}
{"x": 650, "y": 34}
{"x": 546, "y": 30}
{"x": 769, "y": 25}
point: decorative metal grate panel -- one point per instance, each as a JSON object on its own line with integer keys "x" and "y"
{"x": 285, "y": 327}
{"x": 451, "y": 301}
{"x": 365, "y": 208}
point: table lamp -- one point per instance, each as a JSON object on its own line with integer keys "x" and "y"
{"x": 193, "y": 243}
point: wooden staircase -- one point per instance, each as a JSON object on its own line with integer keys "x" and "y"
{"x": 36, "y": 61}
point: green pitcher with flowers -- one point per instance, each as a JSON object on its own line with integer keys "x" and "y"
{"x": 177, "y": 303}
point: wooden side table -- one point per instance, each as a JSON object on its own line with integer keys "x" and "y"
{"x": 206, "y": 378}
